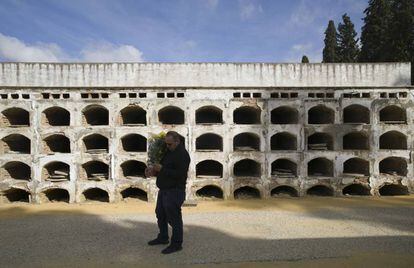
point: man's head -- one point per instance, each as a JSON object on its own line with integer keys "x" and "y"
{"x": 172, "y": 139}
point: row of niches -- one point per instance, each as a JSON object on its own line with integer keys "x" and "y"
{"x": 206, "y": 192}
{"x": 133, "y": 115}
{"x": 96, "y": 170}
{"x": 96, "y": 143}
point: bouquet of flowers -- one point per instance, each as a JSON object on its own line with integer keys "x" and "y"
{"x": 156, "y": 151}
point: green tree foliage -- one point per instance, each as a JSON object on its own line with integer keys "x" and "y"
{"x": 330, "y": 51}
{"x": 374, "y": 38}
{"x": 305, "y": 59}
{"x": 348, "y": 49}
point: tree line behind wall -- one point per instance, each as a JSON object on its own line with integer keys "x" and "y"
{"x": 386, "y": 36}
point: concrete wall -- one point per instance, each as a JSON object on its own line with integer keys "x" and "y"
{"x": 203, "y": 75}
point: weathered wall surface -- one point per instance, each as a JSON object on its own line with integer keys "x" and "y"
{"x": 203, "y": 75}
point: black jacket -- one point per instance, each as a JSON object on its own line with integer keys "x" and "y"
{"x": 173, "y": 173}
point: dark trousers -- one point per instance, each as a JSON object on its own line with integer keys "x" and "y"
{"x": 168, "y": 211}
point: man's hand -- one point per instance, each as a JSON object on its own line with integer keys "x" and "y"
{"x": 157, "y": 168}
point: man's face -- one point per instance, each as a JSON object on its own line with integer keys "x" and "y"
{"x": 171, "y": 143}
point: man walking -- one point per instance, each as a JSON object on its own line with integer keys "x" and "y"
{"x": 171, "y": 180}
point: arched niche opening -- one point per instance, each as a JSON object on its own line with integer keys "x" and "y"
{"x": 17, "y": 195}
{"x": 134, "y": 193}
{"x": 246, "y": 192}
{"x": 321, "y": 114}
{"x": 393, "y": 189}
{"x": 133, "y": 115}
{"x": 356, "y": 167}
{"x": 247, "y": 168}
{"x": 56, "y": 171}
{"x": 16, "y": 144}
{"x": 246, "y": 142}
{"x": 283, "y": 141}
{"x": 209, "y": 169}
{"x": 56, "y": 143}
{"x": 171, "y": 115}
{"x": 393, "y": 166}
{"x": 355, "y": 189}
{"x": 320, "y": 141}
{"x": 96, "y": 194}
{"x": 133, "y": 169}
{"x": 393, "y": 140}
{"x": 95, "y": 115}
{"x": 320, "y": 167}
{"x": 15, "y": 117}
{"x": 284, "y": 168}
{"x": 209, "y": 143}
{"x": 56, "y": 195}
{"x": 284, "y": 191}
{"x": 134, "y": 143}
{"x": 56, "y": 116}
{"x": 393, "y": 115}
{"x": 247, "y": 115}
{"x": 356, "y": 141}
{"x": 356, "y": 114}
{"x": 208, "y": 115}
{"x": 96, "y": 144}
{"x": 320, "y": 190}
{"x": 95, "y": 170}
{"x": 210, "y": 192}
{"x": 15, "y": 170}
{"x": 284, "y": 115}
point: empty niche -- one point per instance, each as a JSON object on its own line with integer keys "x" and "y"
{"x": 133, "y": 169}
{"x": 393, "y": 166}
{"x": 208, "y": 115}
{"x": 356, "y": 114}
{"x": 95, "y": 144}
{"x": 247, "y": 115}
{"x": 247, "y": 168}
{"x": 56, "y": 171}
{"x": 16, "y": 143}
{"x": 355, "y": 189}
{"x": 320, "y": 190}
{"x": 284, "y": 191}
{"x": 96, "y": 194}
{"x": 56, "y": 116}
{"x": 321, "y": 114}
{"x": 246, "y": 142}
{"x": 356, "y": 167}
{"x": 133, "y": 116}
{"x": 284, "y": 168}
{"x": 283, "y": 141}
{"x": 95, "y": 115}
{"x": 246, "y": 192}
{"x": 320, "y": 167}
{"x": 393, "y": 115}
{"x": 95, "y": 170}
{"x": 284, "y": 115}
{"x": 15, "y": 170}
{"x": 210, "y": 192}
{"x": 56, "y": 143}
{"x": 134, "y": 193}
{"x": 134, "y": 143}
{"x": 171, "y": 115}
{"x": 17, "y": 195}
{"x": 356, "y": 141}
{"x": 393, "y": 189}
{"x": 320, "y": 141}
{"x": 15, "y": 117}
{"x": 209, "y": 169}
{"x": 393, "y": 140}
{"x": 209, "y": 142}
{"x": 56, "y": 195}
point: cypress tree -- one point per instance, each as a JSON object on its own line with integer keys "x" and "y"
{"x": 374, "y": 37}
{"x": 348, "y": 49}
{"x": 330, "y": 51}
{"x": 305, "y": 59}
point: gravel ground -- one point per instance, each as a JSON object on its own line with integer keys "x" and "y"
{"x": 244, "y": 238}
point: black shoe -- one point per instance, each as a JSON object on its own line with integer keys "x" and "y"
{"x": 158, "y": 241}
{"x": 171, "y": 249}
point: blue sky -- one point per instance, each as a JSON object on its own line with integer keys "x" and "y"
{"x": 169, "y": 30}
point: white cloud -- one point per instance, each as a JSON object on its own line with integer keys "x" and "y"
{"x": 305, "y": 14}
{"x": 298, "y": 50}
{"x": 248, "y": 9}
{"x": 13, "y": 49}
{"x": 211, "y": 3}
